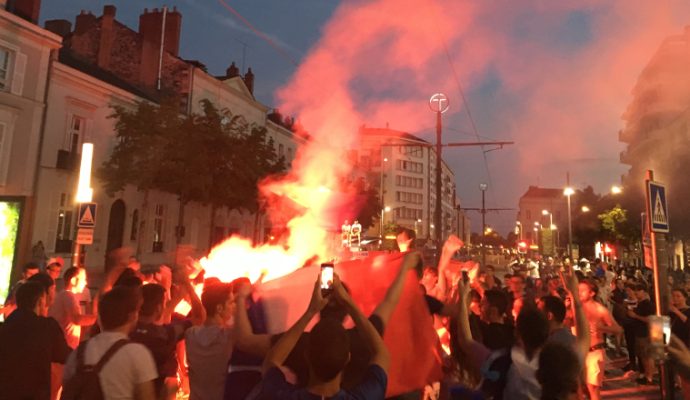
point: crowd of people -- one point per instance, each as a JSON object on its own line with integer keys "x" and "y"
{"x": 543, "y": 334}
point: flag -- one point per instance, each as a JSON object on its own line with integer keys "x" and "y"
{"x": 409, "y": 336}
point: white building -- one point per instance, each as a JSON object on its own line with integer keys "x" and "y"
{"x": 25, "y": 55}
{"x": 80, "y": 98}
{"x": 404, "y": 174}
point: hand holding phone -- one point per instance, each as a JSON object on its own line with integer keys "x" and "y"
{"x": 327, "y": 278}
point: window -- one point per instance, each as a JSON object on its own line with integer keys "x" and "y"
{"x": 281, "y": 150}
{"x": 158, "y": 228}
{"x": 63, "y": 238}
{"x": 410, "y": 166}
{"x": 289, "y": 156}
{"x": 135, "y": 225}
{"x": 75, "y": 134}
{"x": 5, "y": 56}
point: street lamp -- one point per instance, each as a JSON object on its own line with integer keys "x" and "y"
{"x": 616, "y": 189}
{"x": 482, "y": 188}
{"x": 518, "y": 227}
{"x": 415, "y": 226}
{"x": 585, "y": 209}
{"x": 569, "y": 192}
{"x": 383, "y": 210}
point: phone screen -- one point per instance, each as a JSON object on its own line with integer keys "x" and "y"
{"x": 326, "y": 276}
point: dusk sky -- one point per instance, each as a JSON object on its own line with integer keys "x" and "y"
{"x": 553, "y": 76}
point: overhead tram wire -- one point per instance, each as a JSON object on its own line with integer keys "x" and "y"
{"x": 260, "y": 34}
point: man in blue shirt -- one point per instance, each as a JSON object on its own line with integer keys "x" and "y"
{"x": 328, "y": 353}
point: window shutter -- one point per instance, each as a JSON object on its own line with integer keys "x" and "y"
{"x": 18, "y": 74}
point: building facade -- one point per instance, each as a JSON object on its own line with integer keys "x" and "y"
{"x": 539, "y": 208}
{"x": 91, "y": 75}
{"x": 402, "y": 167}
{"x": 26, "y": 51}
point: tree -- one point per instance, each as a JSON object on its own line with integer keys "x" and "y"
{"x": 208, "y": 157}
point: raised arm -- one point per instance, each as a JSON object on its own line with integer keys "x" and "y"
{"x": 280, "y": 351}
{"x": 386, "y": 307}
{"x": 245, "y": 338}
{"x": 380, "y": 355}
{"x": 452, "y": 244}
{"x": 569, "y": 281}
{"x": 473, "y": 350}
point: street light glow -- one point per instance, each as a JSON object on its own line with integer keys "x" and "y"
{"x": 585, "y": 209}
{"x": 568, "y": 191}
{"x": 387, "y": 209}
{"x": 616, "y": 189}
{"x": 553, "y": 227}
{"x": 84, "y": 190}
{"x": 536, "y": 224}
{"x": 545, "y": 212}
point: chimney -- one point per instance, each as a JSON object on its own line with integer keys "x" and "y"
{"x": 27, "y": 9}
{"x": 84, "y": 22}
{"x": 232, "y": 71}
{"x": 150, "y": 25}
{"x": 60, "y": 27}
{"x": 249, "y": 80}
{"x": 105, "y": 45}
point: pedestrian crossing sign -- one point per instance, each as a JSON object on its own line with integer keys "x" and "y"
{"x": 658, "y": 207}
{"x": 87, "y": 215}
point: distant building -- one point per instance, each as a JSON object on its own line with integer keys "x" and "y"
{"x": 531, "y": 214}
{"x": 405, "y": 178}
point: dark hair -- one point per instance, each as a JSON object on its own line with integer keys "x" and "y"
{"x": 334, "y": 309}
{"x": 44, "y": 279}
{"x": 433, "y": 271}
{"x": 28, "y": 295}
{"x": 555, "y": 306}
{"x": 328, "y": 349}
{"x": 533, "y": 329}
{"x": 30, "y": 265}
{"x": 489, "y": 266}
{"x": 215, "y": 295}
{"x": 117, "y": 305}
{"x": 153, "y": 295}
{"x": 69, "y": 274}
{"x": 592, "y": 286}
{"x": 681, "y": 291}
{"x": 559, "y": 371}
{"x": 128, "y": 278}
{"x": 407, "y": 231}
{"x": 640, "y": 286}
{"x": 497, "y": 298}
{"x": 518, "y": 275}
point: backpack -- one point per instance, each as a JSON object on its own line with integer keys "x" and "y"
{"x": 85, "y": 383}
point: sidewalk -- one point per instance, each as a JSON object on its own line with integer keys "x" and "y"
{"x": 617, "y": 385}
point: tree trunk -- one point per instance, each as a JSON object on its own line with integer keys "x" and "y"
{"x": 179, "y": 232}
{"x": 257, "y": 216}
{"x": 142, "y": 225}
{"x": 212, "y": 224}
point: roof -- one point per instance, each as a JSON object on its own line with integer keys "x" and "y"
{"x": 68, "y": 58}
{"x": 535, "y": 191}
{"x": 392, "y": 133}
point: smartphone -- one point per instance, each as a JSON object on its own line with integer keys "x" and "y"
{"x": 465, "y": 277}
{"x": 326, "y": 278}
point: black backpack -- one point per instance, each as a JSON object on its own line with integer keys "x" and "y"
{"x": 85, "y": 383}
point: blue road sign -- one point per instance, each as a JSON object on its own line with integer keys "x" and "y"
{"x": 87, "y": 215}
{"x": 658, "y": 207}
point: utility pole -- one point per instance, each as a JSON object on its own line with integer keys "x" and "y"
{"x": 483, "y": 210}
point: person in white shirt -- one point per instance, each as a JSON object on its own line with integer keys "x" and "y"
{"x": 67, "y": 312}
{"x": 130, "y": 373}
{"x": 209, "y": 346}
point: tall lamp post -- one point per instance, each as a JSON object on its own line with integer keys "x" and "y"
{"x": 438, "y": 104}
{"x": 383, "y": 211}
{"x": 84, "y": 192}
{"x": 569, "y": 192}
